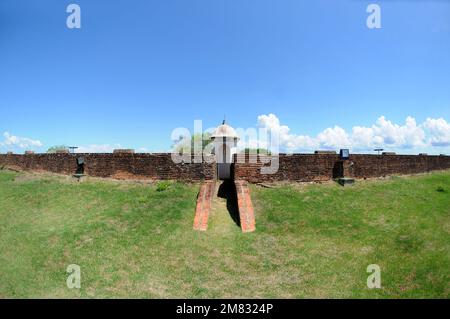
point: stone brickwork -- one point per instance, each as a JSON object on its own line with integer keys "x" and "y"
{"x": 377, "y": 166}
{"x": 322, "y": 167}
{"x": 296, "y": 167}
{"x": 124, "y": 150}
{"x": 246, "y": 212}
{"x": 119, "y": 165}
{"x": 203, "y": 207}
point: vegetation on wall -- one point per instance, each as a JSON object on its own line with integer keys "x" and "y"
{"x": 255, "y": 151}
{"x": 187, "y": 147}
{"x": 57, "y": 148}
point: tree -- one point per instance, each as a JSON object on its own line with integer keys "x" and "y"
{"x": 187, "y": 147}
{"x": 56, "y": 148}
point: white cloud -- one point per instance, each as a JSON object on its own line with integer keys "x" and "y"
{"x": 19, "y": 142}
{"x": 286, "y": 140}
{"x": 142, "y": 150}
{"x": 364, "y": 137}
{"x": 333, "y": 138}
{"x": 383, "y": 133}
{"x": 439, "y": 130}
{"x": 409, "y": 135}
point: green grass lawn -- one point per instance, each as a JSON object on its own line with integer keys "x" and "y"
{"x": 312, "y": 241}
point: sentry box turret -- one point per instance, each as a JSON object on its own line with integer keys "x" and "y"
{"x": 344, "y": 154}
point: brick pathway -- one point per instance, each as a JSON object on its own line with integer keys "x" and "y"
{"x": 244, "y": 202}
{"x": 246, "y": 213}
{"x": 204, "y": 205}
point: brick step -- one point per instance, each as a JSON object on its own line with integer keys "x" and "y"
{"x": 246, "y": 213}
{"x": 207, "y": 190}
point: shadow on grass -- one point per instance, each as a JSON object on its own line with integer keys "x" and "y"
{"x": 227, "y": 190}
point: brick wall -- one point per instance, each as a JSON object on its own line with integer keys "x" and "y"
{"x": 321, "y": 167}
{"x": 120, "y": 165}
{"x": 384, "y": 165}
{"x": 296, "y": 167}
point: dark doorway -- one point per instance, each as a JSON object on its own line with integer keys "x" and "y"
{"x": 80, "y": 169}
{"x": 80, "y": 165}
{"x": 227, "y": 190}
{"x": 338, "y": 170}
{"x": 224, "y": 171}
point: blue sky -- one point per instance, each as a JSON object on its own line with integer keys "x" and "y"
{"x": 138, "y": 69}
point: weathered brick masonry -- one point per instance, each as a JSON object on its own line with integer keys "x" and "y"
{"x": 296, "y": 167}
{"x": 119, "y": 165}
{"x": 385, "y": 165}
{"x": 322, "y": 167}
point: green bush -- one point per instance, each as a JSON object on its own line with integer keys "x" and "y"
{"x": 162, "y": 186}
{"x": 440, "y": 189}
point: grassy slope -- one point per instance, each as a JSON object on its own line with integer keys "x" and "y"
{"x": 311, "y": 241}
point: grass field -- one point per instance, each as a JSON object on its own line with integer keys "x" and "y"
{"x": 312, "y": 241}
